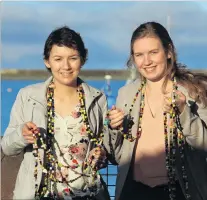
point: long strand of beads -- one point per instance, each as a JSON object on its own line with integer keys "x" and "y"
{"x": 127, "y": 134}
{"x": 172, "y": 140}
{"x": 49, "y": 170}
{"x": 181, "y": 143}
{"x": 172, "y": 148}
{"x": 92, "y": 137}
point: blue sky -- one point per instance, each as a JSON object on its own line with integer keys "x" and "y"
{"x": 106, "y": 28}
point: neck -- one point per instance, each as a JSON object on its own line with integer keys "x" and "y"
{"x": 156, "y": 87}
{"x": 64, "y": 91}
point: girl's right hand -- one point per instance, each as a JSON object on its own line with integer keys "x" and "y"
{"x": 116, "y": 117}
{"x": 28, "y": 130}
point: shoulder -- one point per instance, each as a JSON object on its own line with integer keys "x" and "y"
{"x": 29, "y": 89}
{"x": 130, "y": 88}
{"x": 92, "y": 92}
{"x": 37, "y": 89}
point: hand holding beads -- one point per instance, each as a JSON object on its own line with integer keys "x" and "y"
{"x": 97, "y": 158}
{"x": 180, "y": 102}
{"x": 116, "y": 117}
{"x": 28, "y": 131}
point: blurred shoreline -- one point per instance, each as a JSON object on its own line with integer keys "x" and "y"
{"x": 115, "y": 74}
{"x": 15, "y": 74}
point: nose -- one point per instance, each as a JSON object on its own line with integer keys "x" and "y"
{"x": 66, "y": 65}
{"x": 147, "y": 60}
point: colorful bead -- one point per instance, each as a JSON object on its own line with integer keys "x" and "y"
{"x": 48, "y": 145}
{"x": 175, "y": 138}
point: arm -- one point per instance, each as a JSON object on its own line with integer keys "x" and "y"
{"x": 13, "y": 142}
{"x": 194, "y": 123}
{"x": 113, "y": 139}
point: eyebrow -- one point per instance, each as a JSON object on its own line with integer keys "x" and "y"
{"x": 154, "y": 49}
{"x": 69, "y": 56}
{"x": 149, "y": 51}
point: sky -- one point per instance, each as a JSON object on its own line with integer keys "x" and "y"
{"x": 105, "y": 26}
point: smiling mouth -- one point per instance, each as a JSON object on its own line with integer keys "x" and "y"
{"x": 150, "y": 69}
{"x": 66, "y": 74}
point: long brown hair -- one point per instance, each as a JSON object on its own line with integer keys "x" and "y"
{"x": 195, "y": 83}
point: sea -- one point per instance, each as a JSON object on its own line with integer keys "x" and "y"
{"x": 10, "y": 88}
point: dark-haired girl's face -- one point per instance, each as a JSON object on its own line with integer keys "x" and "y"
{"x": 65, "y": 64}
{"x": 150, "y": 58}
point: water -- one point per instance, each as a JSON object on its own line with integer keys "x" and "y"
{"x": 9, "y": 90}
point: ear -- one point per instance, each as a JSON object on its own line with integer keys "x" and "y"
{"x": 47, "y": 64}
{"x": 168, "y": 55}
{"x": 170, "y": 50}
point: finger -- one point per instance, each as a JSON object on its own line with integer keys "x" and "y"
{"x": 91, "y": 155}
{"x": 31, "y": 125}
{"x": 100, "y": 151}
{"x": 180, "y": 96}
{"x": 114, "y": 112}
{"x": 98, "y": 154}
{"x": 179, "y": 93}
{"x": 94, "y": 162}
{"x": 167, "y": 108}
{"x": 97, "y": 151}
{"x": 30, "y": 141}
{"x": 36, "y": 131}
{"x": 113, "y": 107}
{"x": 116, "y": 125}
{"x": 116, "y": 116}
{"x": 167, "y": 100}
{"x": 29, "y": 138}
{"x": 27, "y": 132}
{"x": 96, "y": 158}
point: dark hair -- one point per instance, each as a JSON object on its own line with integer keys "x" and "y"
{"x": 195, "y": 83}
{"x": 64, "y": 36}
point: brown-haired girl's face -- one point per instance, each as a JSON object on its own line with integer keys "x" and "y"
{"x": 65, "y": 64}
{"x": 150, "y": 58}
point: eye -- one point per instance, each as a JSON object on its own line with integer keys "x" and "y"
{"x": 138, "y": 55}
{"x": 57, "y": 59}
{"x": 154, "y": 52}
{"x": 75, "y": 58}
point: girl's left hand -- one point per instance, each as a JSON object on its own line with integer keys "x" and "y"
{"x": 180, "y": 102}
{"x": 97, "y": 158}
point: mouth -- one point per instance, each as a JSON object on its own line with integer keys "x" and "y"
{"x": 66, "y": 74}
{"x": 150, "y": 69}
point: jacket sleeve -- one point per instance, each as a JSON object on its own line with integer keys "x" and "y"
{"x": 13, "y": 142}
{"x": 194, "y": 125}
{"x": 112, "y": 138}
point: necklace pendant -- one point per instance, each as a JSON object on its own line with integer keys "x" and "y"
{"x": 138, "y": 134}
{"x": 153, "y": 115}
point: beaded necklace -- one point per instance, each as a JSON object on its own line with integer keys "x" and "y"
{"x": 173, "y": 138}
{"x": 47, "y": 141}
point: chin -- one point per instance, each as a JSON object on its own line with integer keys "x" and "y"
{"x": 71, "y": 82}
{"x": 68, "y": 81}
{"x": 153, "y": 78}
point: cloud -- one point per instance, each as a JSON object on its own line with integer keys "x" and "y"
{"x": 14, "y": 53}
{"x": 105, "y": 26}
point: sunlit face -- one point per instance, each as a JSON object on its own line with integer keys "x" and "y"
{"x": 150, "y": 58}
{"x": 65, "y": 64}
